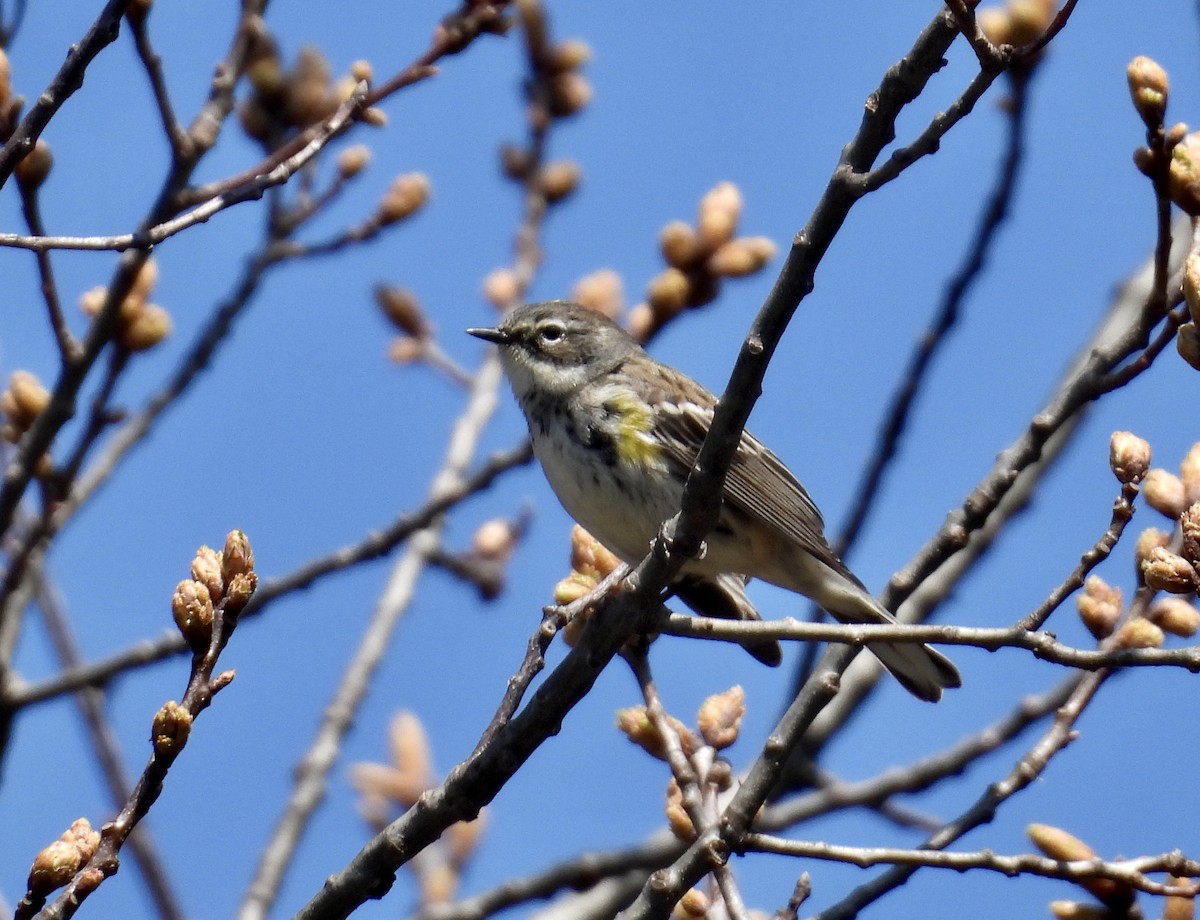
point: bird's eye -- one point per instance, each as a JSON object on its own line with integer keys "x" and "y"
{"x": 552, "y": 332}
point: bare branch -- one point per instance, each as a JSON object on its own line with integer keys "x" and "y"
{"x": 1130, "y": 872}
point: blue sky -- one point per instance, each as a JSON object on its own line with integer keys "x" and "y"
{"x": 306, "y": 437}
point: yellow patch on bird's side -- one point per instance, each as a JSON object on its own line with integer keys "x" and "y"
{"x": 631, "y": 433}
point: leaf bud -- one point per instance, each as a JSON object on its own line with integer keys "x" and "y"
{"x": 1183, "y": 175}
{"x": 403, "y": 310}
{"x": 569, "y": 55}
{"x": 667, "y": 293}
{"x": 1187, "y": 343}
{"x": 1164, "y": 492}
{"x": 353, "y": 160}
{"x": 24, "y": 400}
{"x": 1164, "y": 570}
{"x": 147, "y": 327}
{"x": 502, "y": 289}
{"x": 677, "y": 817}
{"x": 192, "y": 610}
{"x": 720, "y": 717}
{"x": 237, "y": 557}
{"x": 679, "y": 244}
{"x": 692, "y": 906}
{"x": 600, "y": 291}
{"x": 1148, "y": 87}
{"x": 170, "y": 730}
{"x": 559, "y": 179}
{"x": 569, "y": 94}
{"x": 1058, "y": 844}
{"x": 1138, "y": 633}
{"x": 1128, "y": 456}
{"x": 1175, "y": 616}
{"x": 741, "y": 257}
{"x": 206, "y": 569}
{"x": 405, "y": 196}
{"x": 1099, "y": 606}
{"x": 35, "y": 166}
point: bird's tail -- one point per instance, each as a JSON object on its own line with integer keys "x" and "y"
{"x": 724, "y": 596}
{"x": 924, "y": 672}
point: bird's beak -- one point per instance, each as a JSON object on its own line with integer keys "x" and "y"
{"x": 499, "y": 336}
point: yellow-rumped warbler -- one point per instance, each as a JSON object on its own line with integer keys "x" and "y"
{"x": 617, "y": 432}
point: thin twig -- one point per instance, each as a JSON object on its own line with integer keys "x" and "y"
{"x": 1026, "y": 771}
{"x": 171, "y": 728}
{"x": 68, "y": 347}
{"x": 1131, "y": 872}
{"x": 1122, "y": 513}
{"x": 1044, "y": 645}
{"x": 921, "y": 774}
{"x": 91, "y": 705}
{"x": 935, "y": 336}
{"x": 101, "y": 34}
{"x": 375, "y": 545}
{"x": 177, "y": 137}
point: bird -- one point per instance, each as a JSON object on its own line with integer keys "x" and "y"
{"x": 617, "y": 432}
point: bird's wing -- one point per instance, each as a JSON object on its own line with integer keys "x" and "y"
{"x": 758, "y": 484}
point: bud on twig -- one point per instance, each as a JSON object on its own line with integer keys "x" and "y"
{"x": 1191, "y": 285}
{"x": 206, "y": 569}
{"x": 353, "y": 160}
{"x": 1164, "y": 492}
{"x": 636, "y": 725}
{"x": 145, "y": 328}
{"x": 679, "y": 244}
{"x": 1183, "y": 176}
{"x": 1138, "y": 633}
{"x": 403, "y": 310}
{"x": 1128, "y": 456}
{"x": 1175, "y": 616}
{"x": 600, "y": 291}
{"x": 1148, "y": 88}
{"x": 501, "y": 288}
{"x": 35, "y": 166}
{"x": 170, "y": 730}
{"x": 677, "y": 817}
{"x": 1187, "y": 343}
{"x": 720, "y": 717}
{"x": 58, "y": 862}
{"x": 405, "y": 196}
{"x": 1058, "y": 844}
{"x": 559, "y": 179}
{"x": 1099, "y": 606}
{"x": 1164, "y": 570}
{"x": 192, "y": 610}
{"x": 237, "y": 558}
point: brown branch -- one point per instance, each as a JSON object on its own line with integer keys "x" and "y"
{"x": 102, "y": 33}
{"x": 37, "y": 440}
{"x": 588, "y": 871}
{"x": 1131, "y": 872}
{"x": 422, "y": 545}
{"x": 375, "y": 545}
{"x": 1044, "y": 645}
{"x": 171, "y": 728}
{"x": 1026, "y": 771}
{"x": 68, "y": 347}
{"x": 580, "y": 872}
{"x": 91, "y": 705}
{"x": 177, "y": 136}
{"x": 921, "y": 774}
{"x": 959, "y": 548}
{"x": 454, "y": 34}
{"x": 1122, "y": 513}
{"x": 935, "y": 336}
